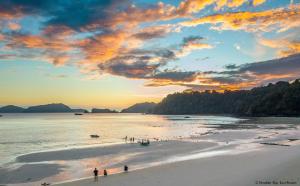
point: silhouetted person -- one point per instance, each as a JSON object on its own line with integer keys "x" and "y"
{"x": 125, "y": 168}
{"x": 105, "y": 172}
{"x": 95, "y": 174}
{"x": 133, "y": 139}
{"x": 126, "y": 139}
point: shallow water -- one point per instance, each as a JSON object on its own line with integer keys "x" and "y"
{"x": 26, "y": 133}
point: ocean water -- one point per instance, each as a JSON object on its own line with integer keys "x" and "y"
{"x": 27, "y": 133}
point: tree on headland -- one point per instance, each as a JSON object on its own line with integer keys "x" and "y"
{"x": 279, "y": 99}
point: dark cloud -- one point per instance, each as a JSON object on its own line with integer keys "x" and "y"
{"x": 285, "y": 65}
{"x": 141, "y": 68}
{"x": 203, "y": 59}
{"x": 151, "y": 33}
{"x": 74, "y": 14}
{"x": 186, "y": 76}
{"x": 287, "y": 68}
{"x": 142, "y": 64}
{"x": 235, "y": 77}
{"x": 231, "y": 66}
{"x": 192, "y": 39}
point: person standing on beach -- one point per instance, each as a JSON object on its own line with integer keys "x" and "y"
{"x": 125, "y": 168}
{"x": 105, "y": 172}
{"x": 95, "y": 174}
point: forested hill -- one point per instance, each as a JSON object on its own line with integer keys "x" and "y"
{"x": 146, "y": 107}
{"x": 280, "y": 99}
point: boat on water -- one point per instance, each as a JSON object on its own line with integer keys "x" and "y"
{"x": 94, "y": 136}
{"x": 78, "y": 114}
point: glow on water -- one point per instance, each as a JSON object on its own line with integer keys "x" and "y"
{"x": 26, "y": 133}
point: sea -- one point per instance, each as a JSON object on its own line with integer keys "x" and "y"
{"x": 26, "y": 133}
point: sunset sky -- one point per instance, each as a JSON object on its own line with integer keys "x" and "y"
{"x": 114, "y": 53}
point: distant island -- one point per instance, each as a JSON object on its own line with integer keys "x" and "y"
{"x": 280, "y": 99}
{"x": 48, "y": 108}
{"x": 95, "y": 110}
{"x": 11, "y": 109}
{"x": 146, "y": 107}
{"x": 62, "y": 108}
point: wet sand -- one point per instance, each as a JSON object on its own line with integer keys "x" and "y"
{"x": 54, "y": 166}
{"x": 268, "y": 166}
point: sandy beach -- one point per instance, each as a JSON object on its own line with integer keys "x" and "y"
{"x": 270, "y": 166}
{"x": 216, "y": 155}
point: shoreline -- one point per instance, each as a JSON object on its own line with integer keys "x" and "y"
{"x": 268, "y": 166}
{"x": 56, "y": 166}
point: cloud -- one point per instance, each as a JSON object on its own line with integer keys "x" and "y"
{"x": 114, "y": 26}
{"x": 231, "y": 66}
{"x": 103, "y": 47}
{"x": 235, "y": 77}
{"x": 14, "y": 26}
{"x": 281, "y": 66}
{"x": 53, "y": 49}
{"x": 176, "y": 76}
{"x": 280, "y": 19}
{"x": 147, "y": 64}
{"x": 192, "y": 43}
{"x": 152, "y": 32}
{"x": 141, "y": 64}
{"x": 2, "y": 37}
{"x": 285, "y": 47}
{"x": 37, "y": 42}
{"x": 107, "y": 14}
{"x": 74, "y": 14}
{"x": 259, "y": 73}
{"x": 110, "y": 36}
{"x": 194, "y": 6}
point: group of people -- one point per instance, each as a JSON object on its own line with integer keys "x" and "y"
{"x": 131, "y": 139}
{"x": 105, "y": 173}
{"x": 142, "y": 142}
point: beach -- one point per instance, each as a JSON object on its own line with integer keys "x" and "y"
{"x": 271, "y": 166}
{"x": 199, "y": 150}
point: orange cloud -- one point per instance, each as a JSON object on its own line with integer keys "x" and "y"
{"x": 2, "y": 37}
{"x": 104, "y": 47}
{"x": 134, "y": 15}
{"x": 39, "y": 42}
{"x": 14, "y": 26}
{"x": 277, "y": 19}
{"x": 285, "y": 47}
{"x": 56, "y": 50}
{"x": 194, "y": 6}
